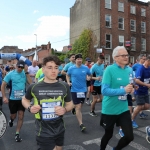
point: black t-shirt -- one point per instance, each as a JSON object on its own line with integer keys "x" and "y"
{"x": 46, "y": 94}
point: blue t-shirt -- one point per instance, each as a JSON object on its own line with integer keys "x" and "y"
{"x": 143, "y": 74}
{"x": 98, "y": 70}
{"x": 135, "y": 67}
{"x": 67, "y": 66}
{"x": 1, "y": 77}
{"x": 78, "y": 78}
{"x": 17, "y": 82}
{"x": 60, "y": 69}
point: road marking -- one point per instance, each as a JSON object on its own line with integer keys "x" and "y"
{"x": 134, "y": 145}
{"x": 73, "y": 147}
{"x": 97, "y": 142}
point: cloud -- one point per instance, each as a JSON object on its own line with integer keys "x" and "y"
{"x": 48, "y": 28}
{"x": 35, "y": 11}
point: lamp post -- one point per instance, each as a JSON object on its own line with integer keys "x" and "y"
{"x": 36, "y": 48}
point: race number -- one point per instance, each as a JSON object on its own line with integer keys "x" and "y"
{"x": 3, "y": 124}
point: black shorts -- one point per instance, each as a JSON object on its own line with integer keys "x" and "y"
{"x": 142, "y": 99}
{"x": 129, "y": 99}
{"x": 96, "y": 90}
{"x": 108, "y": 121}
{"x": 48, "y": 143}
{"x": 88, "y": 83}
{"x": 15, "y": 105}
{"x": 77, "y": 100}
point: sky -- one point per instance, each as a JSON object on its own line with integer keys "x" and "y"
{"x": 48, "y": 19}
{"x": 21, "y": 20}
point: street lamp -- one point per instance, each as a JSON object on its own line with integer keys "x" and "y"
{"x": 36, "y": 48}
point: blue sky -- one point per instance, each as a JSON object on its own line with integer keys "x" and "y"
{"x": 49, "y": 19}
{"x": 20, "y": 20}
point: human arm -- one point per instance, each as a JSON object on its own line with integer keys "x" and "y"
{"x": 68, "y": 79}
{"x": 5, "y": 99}
{"x": 29, "y": 80}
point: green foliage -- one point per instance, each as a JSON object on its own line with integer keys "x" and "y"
{"x": 82, "y": 44}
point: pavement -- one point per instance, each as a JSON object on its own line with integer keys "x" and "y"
{"x": 74, "y": 138}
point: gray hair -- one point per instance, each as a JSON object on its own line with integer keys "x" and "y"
{"x": 116, "y": 50}
{"x": 140, "y": 56}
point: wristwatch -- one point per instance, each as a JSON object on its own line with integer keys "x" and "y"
{"x": 26, "y": 72}
{"x": 29, "y": 108}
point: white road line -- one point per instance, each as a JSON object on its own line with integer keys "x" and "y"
{"x": 97, "y": 142}
{"x": 73, "y": 147}
{"x": 134, "y": 145}
{"x": 144, "y": 110}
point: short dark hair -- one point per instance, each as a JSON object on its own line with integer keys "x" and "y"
{"x": 148, "y": 57}
{"x": 53, "y": 58}
{"x": 71, "y": 55}
{"x": 101, "y": 56}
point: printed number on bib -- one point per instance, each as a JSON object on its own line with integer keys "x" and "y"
{"x": 80, "y": 95}
{"x": 48, "y": 110}
{"x": 18, "y": 93}
{"x": 122, "y": 97}
{"x": 3, "y": 124}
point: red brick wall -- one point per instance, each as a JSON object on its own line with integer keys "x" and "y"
{"x": 42, "y": 54}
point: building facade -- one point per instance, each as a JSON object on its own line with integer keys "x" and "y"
{"x": 125, "y": 22}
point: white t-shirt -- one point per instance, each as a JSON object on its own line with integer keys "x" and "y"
{"x": 33, "y": 70}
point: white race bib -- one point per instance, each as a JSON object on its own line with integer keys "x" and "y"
{"x": 80, "y": 95}
{"x": 122, "y": 97}
{"x": 48, "y": 110}
{"x": 18, "y": 93}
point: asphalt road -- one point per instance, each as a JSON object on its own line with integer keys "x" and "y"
{"x": 74, "y": 139}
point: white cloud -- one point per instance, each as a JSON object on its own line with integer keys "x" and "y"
{"x": 35, "y": 11}
{"x": 35, "y": 24}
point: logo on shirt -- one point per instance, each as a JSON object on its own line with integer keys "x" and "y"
{"x": 119, "y": 79}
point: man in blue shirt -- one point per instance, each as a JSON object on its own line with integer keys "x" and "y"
{"x": 17, "y": 80}
{"x": 1, "y": 78}
{"x": 78, "y": 74}
{"x": 142, "y": 98}
{"x": 97, "y": 69}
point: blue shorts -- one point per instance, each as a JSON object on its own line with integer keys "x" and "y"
{"x": 77, "y": 100}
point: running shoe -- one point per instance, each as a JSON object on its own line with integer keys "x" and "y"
{"x": 82, "y": 127}
{"x": 143, "y": 115}
{"x": 92, "y": 113}
{"x": 73, "y": 111}
{"x": 88, "y": 102}
{"x": 121, "y": 133}
{"x": 10, "y": 123}
{"x": 148, "y": 134}
{"x": 18, "y": 138}
{"x": 134, "y": 124}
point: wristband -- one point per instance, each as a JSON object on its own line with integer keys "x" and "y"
{"x": 29, "y": 108}
{"x": 26, "y": 72}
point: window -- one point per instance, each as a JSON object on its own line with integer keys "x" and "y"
{"x": 108, "y": 4}
{"x": 108, "y": 21}
{"x": 133, "y": 25}
{"x": 120, "y": 6}
{"x": 132, "y": 59}
{"x": 143, "y": 27}
{"x": 133, "y": 43}
{"x": 107, "y": 59}
{"x": 108, "y": 40}
{"x": 121, "y": 40}
{"x": 143, "y": 12}
{"x": 143, "y": 44}
{"x": 121, "y": 23}
{"x": 132, "y": 9}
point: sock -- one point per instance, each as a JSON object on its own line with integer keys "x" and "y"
{"x": 11, "y": 120}
{"x": 17, "y": 132}
{"x": 87, "y": 99}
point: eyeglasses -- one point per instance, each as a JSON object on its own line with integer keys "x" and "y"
{"x": 20, "y": 67}
{"x": 123, "y": 56}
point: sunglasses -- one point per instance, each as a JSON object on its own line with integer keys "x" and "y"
{"x": 20, "y": 67}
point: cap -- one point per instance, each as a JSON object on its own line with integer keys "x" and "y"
{"x": 21, "y": 63}
{"x": 7, "y": 69}
{"x": 78, "y": 56}
{"x": 88, "y": 59}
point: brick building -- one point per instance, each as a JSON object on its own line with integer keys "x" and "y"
{"x": 42, "y": 51}
{"x": 113, "y": 23}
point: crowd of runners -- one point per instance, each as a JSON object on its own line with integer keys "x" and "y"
{"x": 54, "y": 89}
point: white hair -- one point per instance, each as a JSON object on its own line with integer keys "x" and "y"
{"x": 116, "y": 50}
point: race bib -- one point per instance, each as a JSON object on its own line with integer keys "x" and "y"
{"x": 122, "y": 97}
{"x": 3, "y": 124}
{"x": 80, "y": 95}
{"x": 18, "y": 94}
{"x": 146, "y": 81}
{"x": 48, "y": 110}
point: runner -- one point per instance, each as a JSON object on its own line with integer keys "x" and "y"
{"x": 52, "y": 99}
{"x": 97, "y": 69}
{"x": 17, "y": 80}
{"x": 78, "y": 74}
{"x": 142, "y": 98}
{"x": 115, "y": 86}
{"x": 148, "y": 134}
